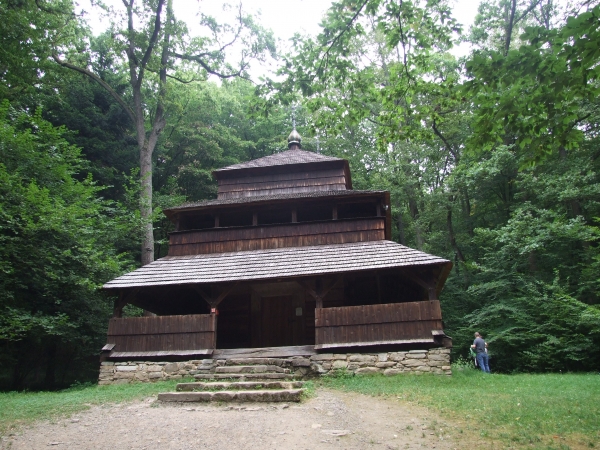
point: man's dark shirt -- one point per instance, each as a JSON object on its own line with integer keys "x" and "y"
{"x": 479, "y": 345}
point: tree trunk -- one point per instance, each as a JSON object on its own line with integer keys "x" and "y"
{"x": 401, "y": 237}
{"x": 467, "y": 212}
{"x": 414, "y": 212}
{"x": 50, "y": 377}
{"x": 510, "y": 22}
{"x": 146, "y": 203}
{"x": 455, "y": 246}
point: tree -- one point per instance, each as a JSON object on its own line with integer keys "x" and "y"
{"x": 152, "y": 53}
{"x": 57, "y": 247}
{"x": 27, "y": 31}
{"x": 539, "y": 96}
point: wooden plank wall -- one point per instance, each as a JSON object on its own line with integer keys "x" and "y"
{"x": 216, "y": 240}
{"x": 282, "y": 183}
{"x": 377, "y": 323}
{"x": 162, "y": 333}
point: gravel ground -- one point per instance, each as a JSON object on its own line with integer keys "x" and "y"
{"x": 331, "y": 419}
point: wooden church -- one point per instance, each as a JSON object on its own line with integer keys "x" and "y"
{"x": 288, "y": 262}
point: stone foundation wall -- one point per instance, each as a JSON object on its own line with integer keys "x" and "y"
{"x": 436, "y": 361}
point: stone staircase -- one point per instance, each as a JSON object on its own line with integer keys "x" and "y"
{"x": 236, "y": 391}
{"x": 248, "y": 369}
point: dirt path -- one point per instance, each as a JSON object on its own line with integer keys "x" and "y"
{"x": 331, "y": 419}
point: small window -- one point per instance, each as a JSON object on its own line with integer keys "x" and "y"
{"x": 354, "y": 210}
{"x": 311, "y": 213}
{"x": 235, "y": 219}
{"x": 282, "y": 215}
{"x": 197, "y": 222}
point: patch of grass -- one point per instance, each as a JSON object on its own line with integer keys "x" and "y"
{"x": 22, "y": 408}
{"x": 309, "y": 390}
{"x": 549, "y": 411}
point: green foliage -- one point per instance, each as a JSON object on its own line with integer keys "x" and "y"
{"x": 28, "y": 31}
{"x": 538, "y": 95}
{"x": 56, "y": 247}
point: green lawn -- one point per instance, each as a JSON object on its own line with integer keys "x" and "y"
{"x": 21, "y": 408}
{"x": 550, "y": 411}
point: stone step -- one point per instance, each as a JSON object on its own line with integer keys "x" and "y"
{"x": 279, "y": 395}
{"x": 258, "y": 368}
{"x": 244, "y": 376}
{"x": 239, "y": 385}
{"x": 255, "y": 361}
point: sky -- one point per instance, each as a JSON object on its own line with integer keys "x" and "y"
{"x": 284, "y": 17}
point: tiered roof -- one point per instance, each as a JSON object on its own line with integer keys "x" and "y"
{"x": 286, "y": 158}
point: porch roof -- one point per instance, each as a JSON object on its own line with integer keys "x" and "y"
{"x": 289, "y": 262}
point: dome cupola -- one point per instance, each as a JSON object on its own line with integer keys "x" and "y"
{"x": 294, "y": 140}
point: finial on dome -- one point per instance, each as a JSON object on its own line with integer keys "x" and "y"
{"x": 294, "y": 140}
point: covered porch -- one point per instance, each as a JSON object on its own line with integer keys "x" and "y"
{"x": 347, "y": 296}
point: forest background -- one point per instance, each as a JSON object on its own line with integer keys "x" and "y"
{"x": 492, "y": 159}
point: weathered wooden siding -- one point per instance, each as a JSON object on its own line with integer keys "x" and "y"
{"x": 282, "y": 183}
{"x": 162, "y": 333}
{"x": 377, "y": 324}
{"x": 215, "y": 240}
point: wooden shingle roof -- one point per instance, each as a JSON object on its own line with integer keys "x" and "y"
{"x": 274, "y": 264}
{"x": 280, "y": 159}
{"x": 270, "y": 198}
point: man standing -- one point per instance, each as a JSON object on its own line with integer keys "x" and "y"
{"x": 480, "y": 347}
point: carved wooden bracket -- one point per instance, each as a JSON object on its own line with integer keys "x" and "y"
{"x": 427, "y": 281}
{"x": 213, "y": 301}
{"x": 319, "y": 292}
{"x": 124, "y": 298}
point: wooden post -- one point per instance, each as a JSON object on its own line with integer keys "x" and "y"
{"x": 431, "y": 291}
{"x": 378, "y": 210}
{"x": 319, "y": 292}
{"x": 294, "y": 215}
{"x": 254, "y": 219}
{"x": 335, "y": 212}
{"x": 216, "y": 221}
{"x": 214, "y": 318}
{"x": 118, "y": 306}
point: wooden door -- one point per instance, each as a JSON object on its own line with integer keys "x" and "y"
{"x": 277, "y": 314}
{"x": 277, "y": 321}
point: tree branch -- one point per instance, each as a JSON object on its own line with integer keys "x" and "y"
{"x": 206, "y": 67}
{"x": 527, "y": 11}
{"x": 101, "y": 82}
{"x": 325, "y": 57}
{"x": 133, "y": 61}
{"x": 444, "y": 140}
{"x": 152, "y": 42}
{"x": 173, "y": 77}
